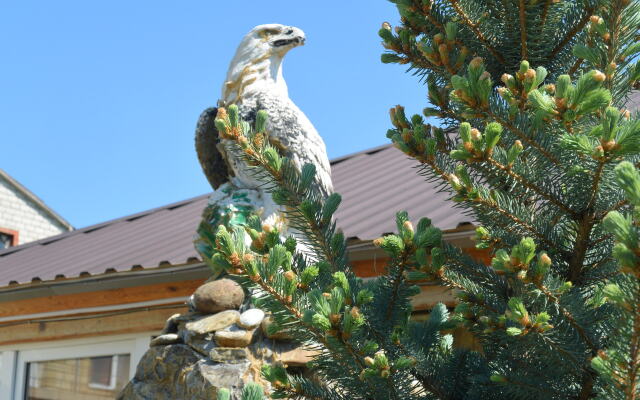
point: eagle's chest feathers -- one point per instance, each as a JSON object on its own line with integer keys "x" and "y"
{"x": 289, "y": 130}
{"x": 286, "y": 124}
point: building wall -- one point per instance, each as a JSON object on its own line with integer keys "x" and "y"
{"x": 19, "y": 213}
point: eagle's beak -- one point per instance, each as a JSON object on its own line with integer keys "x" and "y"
{"x": 295, "y": 41}
{"x": 299, "y": 37}
{"x": 293, "y": 37}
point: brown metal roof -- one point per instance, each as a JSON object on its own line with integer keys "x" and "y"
{"x": 377, "y": 183}
{"x": 633, "y": 103}
{"x": 374, "y": 185}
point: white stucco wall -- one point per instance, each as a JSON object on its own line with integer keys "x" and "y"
{"x": 19, "y": 213}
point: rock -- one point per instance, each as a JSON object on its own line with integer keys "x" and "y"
{"x": 231, "y": 355}
{"x": 281, "y": 334}
{"x": 251, "y": 318}
{"x": 207, "y": 347}
{"x": 177, "y": 372}
{"x": 189, "y": 316}
{"x": 213, "y": 323}
{"x": 220, "y": 295}
{"x": 166, "y": 339}
{"x": 234, "y": 337}
{"x": 266, "y": 352}
{"x": 186, "y": 318}
{"x": 202, "y": 344}
{"x": 171, "y": 326}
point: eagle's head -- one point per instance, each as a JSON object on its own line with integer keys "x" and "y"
{"x": 273, "y": 38}
{"x": 258, "y": 58}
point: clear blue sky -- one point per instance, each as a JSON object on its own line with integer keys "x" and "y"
{"x": 98, "y": 100}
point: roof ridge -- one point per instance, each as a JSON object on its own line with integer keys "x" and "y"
{"x": 37, "y": 200}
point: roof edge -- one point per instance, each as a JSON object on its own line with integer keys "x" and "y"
{"x": 128, "y": 278}
{"x": 357, "y": 245}
{"x": 38, "y": 201}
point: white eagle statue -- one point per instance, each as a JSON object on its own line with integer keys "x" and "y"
{"x": 255, "y": 82}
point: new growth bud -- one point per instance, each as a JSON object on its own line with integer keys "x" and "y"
{"x": 545, "y": 260}
{"x": 530, "y": 74}
{"x": 455, "y": 182}
{"x": 550, "y": 88}
{"x": 599, "y": 76}
{"x": 518, "y": 145}
{"x": 261, "y": 120}
{"x": 506, "y": 78}
{"x": 222, "y": 113}
{"x": 476, "y": 63}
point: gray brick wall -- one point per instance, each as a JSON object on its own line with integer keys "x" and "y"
{"x": 20, "y": 214}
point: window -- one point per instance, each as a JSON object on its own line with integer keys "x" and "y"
{"x": 90, "y": 378}
{"x": 8, "y": 238}
{"x": 95, "y": 368}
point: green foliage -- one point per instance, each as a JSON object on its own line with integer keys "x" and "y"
{"x": 223, "y": 394}
{"x": 532, "y": 126}
{"x": 530, "y": 97}
{"x": 251, "y": 391}
{"x": 618, "y": 365}
{"x": 313, "y": 293}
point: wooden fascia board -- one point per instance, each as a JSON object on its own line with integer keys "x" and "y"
{"x": 81, "y": 303}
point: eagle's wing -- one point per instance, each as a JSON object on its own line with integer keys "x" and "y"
{"x": 213, "y": 162}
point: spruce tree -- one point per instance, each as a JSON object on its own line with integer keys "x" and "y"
{"x": 533, "y": 127}
{"x": 530, "y": 100}
{"x": 618, "y": 363}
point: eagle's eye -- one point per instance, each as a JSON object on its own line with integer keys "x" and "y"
{"x": 270, "y": 31}
{"x": 289, "y": 32}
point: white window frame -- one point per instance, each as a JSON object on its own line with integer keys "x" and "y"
{"x": 7, "y": 373}
{"x": 13, "y": 379}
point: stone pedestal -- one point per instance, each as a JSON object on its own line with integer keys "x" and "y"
{"x": 199, "y": 353}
